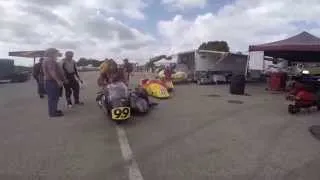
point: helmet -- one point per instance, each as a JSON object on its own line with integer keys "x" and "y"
{"x": 69, "y": 53}
{"x": 51, "y": 52}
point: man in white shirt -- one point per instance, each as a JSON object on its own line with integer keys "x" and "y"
{"x": 72, "y": 86}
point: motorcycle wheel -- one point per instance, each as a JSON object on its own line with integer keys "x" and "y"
{"x": 118, "y": 122}
{"x": 292, "y": 109}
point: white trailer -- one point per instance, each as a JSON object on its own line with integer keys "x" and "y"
{"x": 259, "y": 65}
{"x": 212, "y": 66}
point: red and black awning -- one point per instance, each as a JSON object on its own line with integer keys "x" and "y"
{"x": 301, "y": 47}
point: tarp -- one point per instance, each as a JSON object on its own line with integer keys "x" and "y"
{"x": 301, "y": 47}
{"x": 28, "y": 54}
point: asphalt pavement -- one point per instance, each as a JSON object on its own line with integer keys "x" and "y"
{"x": 202, "y": 132}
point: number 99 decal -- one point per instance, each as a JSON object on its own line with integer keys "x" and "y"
{"x": 120, "y": 113}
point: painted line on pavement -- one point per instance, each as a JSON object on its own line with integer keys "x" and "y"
{"x": 132, "y": 166}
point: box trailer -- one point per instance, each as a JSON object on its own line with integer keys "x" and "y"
{"x": 206, "y": 66}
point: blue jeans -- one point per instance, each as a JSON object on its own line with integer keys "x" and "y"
{"x": 41, "y": 88}
{"x": 53, "y": 92}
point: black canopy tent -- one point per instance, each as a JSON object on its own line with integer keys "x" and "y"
{"x": 303, "y": 47}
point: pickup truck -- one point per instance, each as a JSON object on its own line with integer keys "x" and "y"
{"x": 9, "y": 73}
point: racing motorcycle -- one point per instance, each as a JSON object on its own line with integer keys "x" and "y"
{"x": 115, "y": 102}
{"x": 118, "y": 102}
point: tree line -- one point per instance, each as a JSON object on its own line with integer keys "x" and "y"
{"x": 210, "y": 45}
{"x": 215, "y": 46}
{"x": 85, "y": 62}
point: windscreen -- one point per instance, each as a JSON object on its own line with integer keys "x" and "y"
{"x": 117, "y": 91}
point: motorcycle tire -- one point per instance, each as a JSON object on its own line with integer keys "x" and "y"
{"x": 118, "y": 122}
{"x": 292, "y": 109}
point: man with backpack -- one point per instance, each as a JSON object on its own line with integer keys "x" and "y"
{"x": 39, "y": 77}
{"x": 72, "y": 86}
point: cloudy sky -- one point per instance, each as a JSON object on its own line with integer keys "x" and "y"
{"x": 139, "y": 29}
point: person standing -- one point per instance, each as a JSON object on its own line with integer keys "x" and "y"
{"x": 168, "y": 71}
{"x": 39, "y": 77}
{"x": 72, "y": 86}
{"x": 54, "y": 78}
{"x": 127, "y": 70}
{"x": 104, "y": 65}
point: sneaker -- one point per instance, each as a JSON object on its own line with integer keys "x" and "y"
{"x": 100, "y": 103}
{"x": 79, "y": 103}
{"x": 57, "y": 114}
{"x": 69, "y": 105}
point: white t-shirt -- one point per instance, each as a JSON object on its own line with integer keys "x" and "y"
{"x": 69, "y": 66}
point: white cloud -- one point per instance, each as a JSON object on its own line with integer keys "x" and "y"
{"x": 184, "y": 4}
{"x": 94, "y": 29}
{"x": 69, "y": 25}
{"x": 242, "y": 23}
{"x": 130, "y": 8}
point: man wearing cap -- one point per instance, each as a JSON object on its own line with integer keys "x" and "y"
{"x": 54, "y": 79}
{"x": 72, "y": 86}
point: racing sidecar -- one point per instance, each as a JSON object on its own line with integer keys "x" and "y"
{"x": 155, "y": 88}
{"x": 139, "y": 101}
{"x": 168, "y": 84}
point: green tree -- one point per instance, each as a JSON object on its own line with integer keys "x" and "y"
{"x": 215, "y": 46}
{"x": 85, "y": 62}
{"x": 150, "y": 63}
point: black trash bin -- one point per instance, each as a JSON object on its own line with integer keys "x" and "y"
{"x": 237, "y": 84}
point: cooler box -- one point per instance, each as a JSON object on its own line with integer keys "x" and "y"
{"x": 277, "y": 81}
